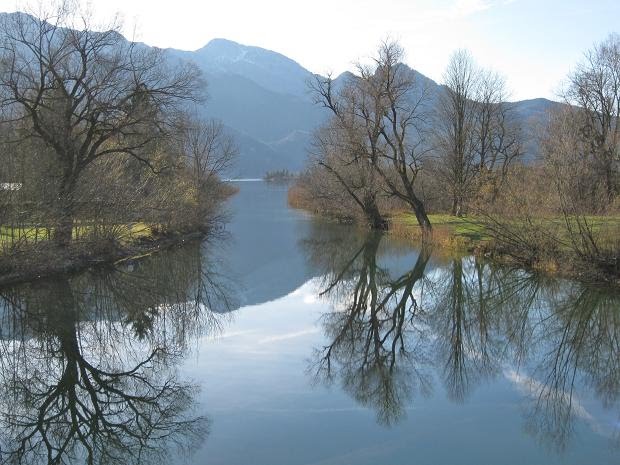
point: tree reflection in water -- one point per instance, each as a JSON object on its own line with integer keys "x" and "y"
{"x": 579, "y": 350}
{"x": 464, "y": 323}
{"x": 375, "y": 344}
{"x": 87, "y": 368}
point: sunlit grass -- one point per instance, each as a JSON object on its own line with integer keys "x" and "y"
{"x": 8, "y": 234}
{"x": 462, "y": 229}
{"x": 124, "y": 233}
{"x": 135, "y": 231}
{"x": 468, "y": 231}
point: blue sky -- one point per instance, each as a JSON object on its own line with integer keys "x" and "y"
{"x": 534, "y": 44}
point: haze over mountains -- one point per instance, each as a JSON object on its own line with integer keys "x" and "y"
{"x": 263, "y": 98}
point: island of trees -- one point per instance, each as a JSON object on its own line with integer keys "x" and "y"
{"x": 279, "y": 176}
{"x": 102, "y": 154}
{"x": 459, "y": 164}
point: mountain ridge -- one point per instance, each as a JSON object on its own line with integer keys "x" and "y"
{"x": 264, "y": 98}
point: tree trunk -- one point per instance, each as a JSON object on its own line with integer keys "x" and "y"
{"x": 420, "y": 214}
{"x": 423, "y": 221}
{"x": 457, "y": 206}
{"x": 373, "y": 216}
{"x": 609, "y": 180}
{"x": 63, "y": 232}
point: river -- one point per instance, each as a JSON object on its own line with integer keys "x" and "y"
{"x": 285, "y": 340}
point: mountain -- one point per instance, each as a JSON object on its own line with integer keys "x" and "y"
{"x": 256, "y": 157}
{"x": 532, "y": 114}
{"x": 262, "y": 97}
{"x": 270, "y": 70}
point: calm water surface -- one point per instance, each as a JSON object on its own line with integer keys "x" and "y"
{"x": 290, "y": 341}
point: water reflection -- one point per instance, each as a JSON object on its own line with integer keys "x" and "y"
{"x": 578, "y": 349}
{"x": 375, "y": 346}
{"x": 394, "y": 334}
{"x": 87, "y": 369}
{"x": 91, "y": 367}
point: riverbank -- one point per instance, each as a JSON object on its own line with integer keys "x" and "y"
{"x": 30, "y": 253}
{"x": 538, "y": 244}
{"x": 460, "y": 234}
{"x": 46, "y": 259}
{"x": 476, "y": 236}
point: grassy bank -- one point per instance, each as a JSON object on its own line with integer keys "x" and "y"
{"x": 30, "y": 252}
{"x": 545, "y": 244}
{"x": 27, "y": 236}
{"x": 44, "y": 258}
{"x": 468, "y": 233}
{"x": 462, "y": 234}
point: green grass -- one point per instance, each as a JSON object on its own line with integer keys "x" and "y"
{"x": 135, "y": 231}
{"x": 466, "y": 232}
{"x": 465, "y": 227}
{"x": 598, "y": 223}
{"x": 8, "y": 234}
{"x": 124, "y": 233}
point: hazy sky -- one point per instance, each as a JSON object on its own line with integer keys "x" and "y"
{"x": 533, "y": 43}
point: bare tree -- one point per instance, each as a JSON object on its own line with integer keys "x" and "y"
{"x": 455, "y": 128}
{"x": 595, "y": 87}
{"x": 346, "y": 150}
{"x": 87, "y": 95}
{"x": 381, "y": 113}
{"x": 209, "y": 149}
{"x": 476, "y": 132}
{"x": 498, "y": 135}
{"x": 402, "y": 116}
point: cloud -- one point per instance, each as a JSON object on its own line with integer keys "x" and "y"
{"x": 537, "y": 391}
{"x": 228, "y": 334}
{"x": 463, "y": 8}
{"x": 286, "y": 336}
{"x": 469, "y": 7}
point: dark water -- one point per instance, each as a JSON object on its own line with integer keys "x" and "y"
{"x": 292, "y": 341}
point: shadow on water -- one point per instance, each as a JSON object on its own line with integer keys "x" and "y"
{"x": 88, "y": 363}
{"x": 392, "y": 336}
